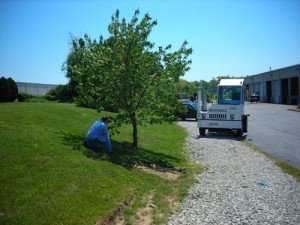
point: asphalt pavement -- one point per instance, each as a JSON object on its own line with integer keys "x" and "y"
{"x": 275, "y": 129}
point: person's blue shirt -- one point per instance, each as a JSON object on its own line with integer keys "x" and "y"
{"x": 98, "y": 131}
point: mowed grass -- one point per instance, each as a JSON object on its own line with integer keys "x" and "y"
{"x": 47, "y": 176}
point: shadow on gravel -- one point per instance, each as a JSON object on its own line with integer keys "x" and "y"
{"x": 223, "y": 135}
{"x": 186, "y": 120}
{"x": 216, "y": 135}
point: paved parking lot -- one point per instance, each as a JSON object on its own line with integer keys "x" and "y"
{"x": 275, "y": 129}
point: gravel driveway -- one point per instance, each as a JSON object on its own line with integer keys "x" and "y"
{"x": 240, "y": 186}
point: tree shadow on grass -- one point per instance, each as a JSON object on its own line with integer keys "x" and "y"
{"x": 74, "y": 140}
{"x": 123, "y": 153}
{"x": 127, "y": 156}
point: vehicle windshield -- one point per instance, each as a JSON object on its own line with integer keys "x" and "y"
{"x": 229, "y": 95}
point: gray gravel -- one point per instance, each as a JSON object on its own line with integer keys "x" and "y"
{"x": 240, "y": 185}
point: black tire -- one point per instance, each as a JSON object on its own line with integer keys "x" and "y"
{"x": 239, "y": 133}
{"x": 202, "y": 131}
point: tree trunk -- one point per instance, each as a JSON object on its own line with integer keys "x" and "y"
{"x": 135, "y": 131}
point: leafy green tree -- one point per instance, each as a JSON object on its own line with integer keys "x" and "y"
{"x": 8, "y": 90}
{"x": 213, "y": 83}
{"x": 180, "y": 87}
{"x": 74, "y": 59}
{"x": 127, "y": 72}
{"x": 3, "y": 89}
{"x": 189, "y": 88}
{"x": 12, "y": 90}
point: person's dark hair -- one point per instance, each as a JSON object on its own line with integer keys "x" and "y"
{"x": 106, "y": 119}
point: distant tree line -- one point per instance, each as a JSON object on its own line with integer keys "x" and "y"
{"x": 67, "y": 93}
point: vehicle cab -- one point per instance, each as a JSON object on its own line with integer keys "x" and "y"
{"x": 228, "y": 112}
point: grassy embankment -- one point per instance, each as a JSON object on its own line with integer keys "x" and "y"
{"x": 48, "y": 177}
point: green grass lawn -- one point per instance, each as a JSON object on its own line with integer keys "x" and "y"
{"x": 48, "y": 177}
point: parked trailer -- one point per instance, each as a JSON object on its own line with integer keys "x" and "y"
{"x": 227, "y": 114}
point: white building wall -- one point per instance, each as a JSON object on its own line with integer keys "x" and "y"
{"x": 34, "y": 88}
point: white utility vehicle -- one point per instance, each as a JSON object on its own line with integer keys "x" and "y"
{"x": 227, "y": 114}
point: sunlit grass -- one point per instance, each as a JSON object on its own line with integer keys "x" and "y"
{"x": 48, "y": 177}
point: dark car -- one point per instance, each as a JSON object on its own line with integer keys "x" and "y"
{"x": 191, "y": 109}
{"x": 255, "y": 97}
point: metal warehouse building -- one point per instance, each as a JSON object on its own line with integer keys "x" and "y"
{"x": 34, "y": 88}
{"x": 276, "y": 86}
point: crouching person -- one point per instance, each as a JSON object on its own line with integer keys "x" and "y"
{"x": 98, "y": 135}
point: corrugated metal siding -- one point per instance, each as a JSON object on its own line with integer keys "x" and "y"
{"x": 34, "y": 88}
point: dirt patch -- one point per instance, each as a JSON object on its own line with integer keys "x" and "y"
{"x": 144, "y": 214}
{"x": 142, "y": 217}
{"x": 116, "y": 217}
{"x": 165, "y": 173}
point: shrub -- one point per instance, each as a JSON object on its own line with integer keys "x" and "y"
{"x": 21, "y": 97}
{"x": 36, "y": 98}
{"x": 25, "y": 97}
{"x": 51, "y": 95}
{"x": 61, "y": 93}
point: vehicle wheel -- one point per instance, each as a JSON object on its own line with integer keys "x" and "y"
{"x": 202, "y": 131}
{"x": 239, "y": 133}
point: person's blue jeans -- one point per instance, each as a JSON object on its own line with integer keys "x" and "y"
{"x": 95, "y": 144}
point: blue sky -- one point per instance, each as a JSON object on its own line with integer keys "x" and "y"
{"x": 232, "y": 37}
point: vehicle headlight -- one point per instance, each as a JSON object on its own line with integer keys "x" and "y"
{"x": 203, "y": 115}
{"x": 232, "y": 116}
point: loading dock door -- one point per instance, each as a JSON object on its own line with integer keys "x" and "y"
{"x": 285, "y": 90}
{"x": 269, "y": 90}
{"x": 294, "y": 90}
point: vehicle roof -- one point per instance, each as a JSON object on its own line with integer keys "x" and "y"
{"x": 231, "y": 82}
{"x": 186, "y": 101}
